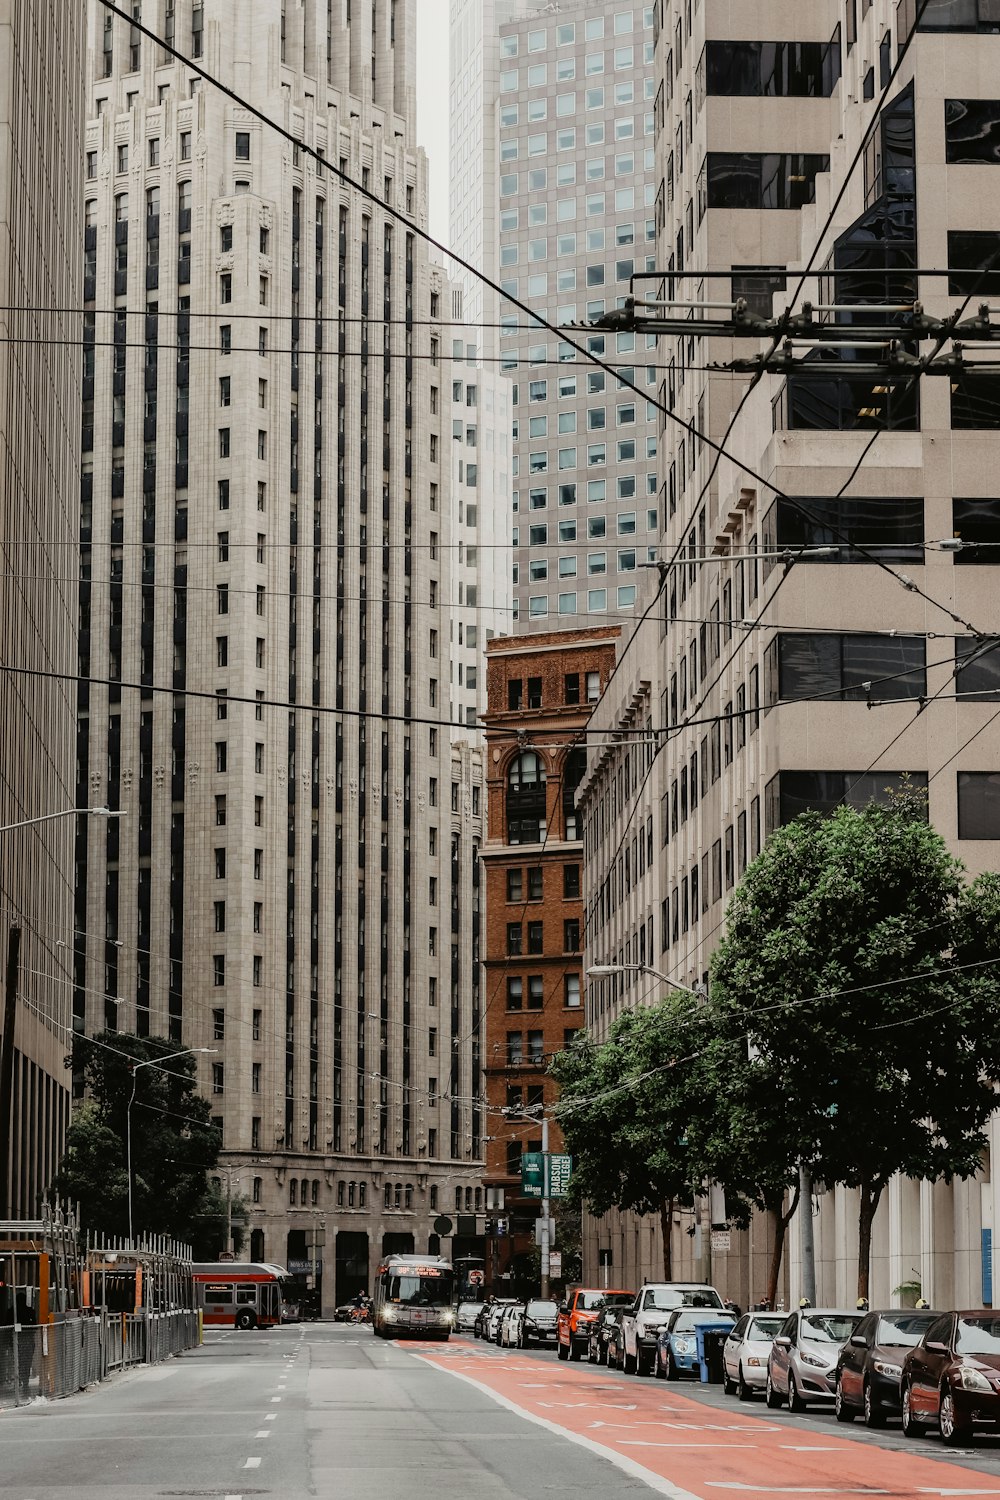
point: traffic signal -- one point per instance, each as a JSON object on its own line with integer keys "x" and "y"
{"x": 490, "y": 1226}
{"x": 501, "y": 1227}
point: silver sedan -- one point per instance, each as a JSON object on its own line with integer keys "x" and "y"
{"x": 745, "y": 1352}
{"x": 802, "y": 1365}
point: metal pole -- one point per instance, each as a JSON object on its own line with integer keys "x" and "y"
{"x": 7, "y": 1075}
{"x": 128, "y": 1147}
{"x": 545, "y": 1208}
{"x": 807, "y": 1251}
{"x": 229, "y": 1211}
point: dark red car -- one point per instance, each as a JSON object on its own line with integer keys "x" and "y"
{"x": 951, "y": 1379}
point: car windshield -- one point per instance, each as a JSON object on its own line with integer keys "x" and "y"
{"x": 829, "y": 1328}
{"x": 686, "y": 1321}
{"x": 904, "y": 1329}
{"x": 590, "y": 1301}
{"x": 618, "y": 1299}
{"x": 764, "y": 1328}
{"x": 465, "y": 1308}
{"x": 978, "y": 1336}
{"x": 541, "y": 1309}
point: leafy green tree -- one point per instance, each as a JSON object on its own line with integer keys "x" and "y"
{"x": 174, "y": 1145}
{"x": 844, "y": 969}
{"x": 625, "y": 1109}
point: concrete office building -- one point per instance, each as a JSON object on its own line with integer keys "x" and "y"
{"x": 41, "y": 128}
{"x": 551, "y": 196}
{"x": 759, "y": 114}
{"x": 266, "y": 404}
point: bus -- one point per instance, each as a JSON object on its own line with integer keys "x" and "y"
{"x": 235, "y": 1295}
{"x": 413, "y": 1294}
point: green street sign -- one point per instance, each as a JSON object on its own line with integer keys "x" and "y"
{"x": 532, "y": 1172}
{"x": 560, "y": 1169}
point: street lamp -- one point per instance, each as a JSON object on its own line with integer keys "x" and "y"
{"x": 149, "y": 1062}
{"x": 608, "y": 971}
{"x": 67, "y": 812}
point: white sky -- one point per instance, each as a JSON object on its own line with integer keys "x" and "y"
{"x": 432, "y": 105}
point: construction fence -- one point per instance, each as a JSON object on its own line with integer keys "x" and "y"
{"x": 51, "y": 1360}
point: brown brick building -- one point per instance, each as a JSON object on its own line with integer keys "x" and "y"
{"x": 540, "y": 694}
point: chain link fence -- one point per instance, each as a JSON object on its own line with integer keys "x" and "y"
{"x": 52, "y": 1360}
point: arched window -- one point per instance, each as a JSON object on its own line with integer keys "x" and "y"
{"x": 574, "y": 768}
{"x": 315, "y": 1192}
{"x": 387, "y": 1195}
{"x": 258, "y": 1186}
{"x": 526, "y": 779}
{"x": 408, "y": 1195}
{"x": 292, "y": 1186}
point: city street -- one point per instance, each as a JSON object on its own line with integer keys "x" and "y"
{"x": 330, "y": 1410}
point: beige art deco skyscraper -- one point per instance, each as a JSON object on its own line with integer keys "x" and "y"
{"x": 265, "y": 552}
{"x": 41, "y": 123}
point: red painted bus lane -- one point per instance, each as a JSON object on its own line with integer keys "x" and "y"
{"x": 690, "y": 1451}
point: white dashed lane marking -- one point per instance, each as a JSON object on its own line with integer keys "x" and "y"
{"x": 252, "y": 1463}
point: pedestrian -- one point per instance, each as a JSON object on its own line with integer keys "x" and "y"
{"x": 922, "y": 1304}
{"x": 862, "y": 1304}
{"x": 804, "y": 1302}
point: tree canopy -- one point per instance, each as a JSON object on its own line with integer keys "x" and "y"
{"x": 174, "y": 1145}
{"x": 852, "y": 1025}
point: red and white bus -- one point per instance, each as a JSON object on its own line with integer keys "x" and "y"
{"x": 239, "y": 1295}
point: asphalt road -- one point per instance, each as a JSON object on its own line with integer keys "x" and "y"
{"x": 331, "y": 1411}
{"x": 295, "y": 1412}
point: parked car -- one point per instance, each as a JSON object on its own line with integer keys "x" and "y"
{"x": 493, "y": 1317}
{"x": 344, "y": 1313}
{"x": 802, "y": 1364}
{"x": 644, "y": 1321}
{"x": 616, "y": 1344}
{"x": 870, "y": 1365}
{"x": 677, "y": 1344}
{"x": 466, "y": 1314}
{"x": 745, "y": 1352}
{"x": 538, "y": 1323}
{"x": 576, "y": 1314}
{"x": 952, "y": 1377}
{"x": 608, "y": 1319}
{"x": 509, "y": 1332}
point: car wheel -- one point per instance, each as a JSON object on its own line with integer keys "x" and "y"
{"x": 953, "y": 1434}
{"x": 911, "y": 1427}
{"x": 672, "y": 1371}
{"x": 658, "y": 1369}
{"x": 796, "y": 1402}
{"x": 874, "y": 1416}
{"x": 728, "y": 1384}
{"x": 771, "y": 1396}
{"x": 841, "y": 1410}
{"x": 628, "y": 1362}
{"x": 602, "y": 1355}
{"x": 575, "y": 1352}
{"x": 563, "y": 1351}
{"x": 743, "y": 1390}
{"x": 246, "y": 1319}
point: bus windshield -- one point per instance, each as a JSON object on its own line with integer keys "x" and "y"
{"x": 420, "y": 1291}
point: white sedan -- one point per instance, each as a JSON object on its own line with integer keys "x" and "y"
{"x": 493, "y": 1317}
{"x": 511, "y": 1324}
{"x": 745, "y": 1352}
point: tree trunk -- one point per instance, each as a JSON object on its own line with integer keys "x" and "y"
{"x": 870, "y": 1196}
{"x": 781, "y": 1223}
{"x": 667, "y": 1235}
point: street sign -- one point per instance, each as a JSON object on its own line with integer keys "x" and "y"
{"x": 442, "y": 1225}
{"x": 226, "y": 1256}
{"x": 476, "y": 1278}
{"x": 721, "y": 1241}
{"x": 532, "y": 1173}
{"x": 560, "y": 1168}
{"x": 555, "y": 1263}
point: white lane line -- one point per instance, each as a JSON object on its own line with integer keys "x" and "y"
{"x": 265, "y": 1433}
{"x": 271, "y": 1416}
{"x": 644, "y": 1443}
{"x": 252, "y": 1463}
{"x": 274, "y": 1399}
{"x": 655, "y": 1482}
